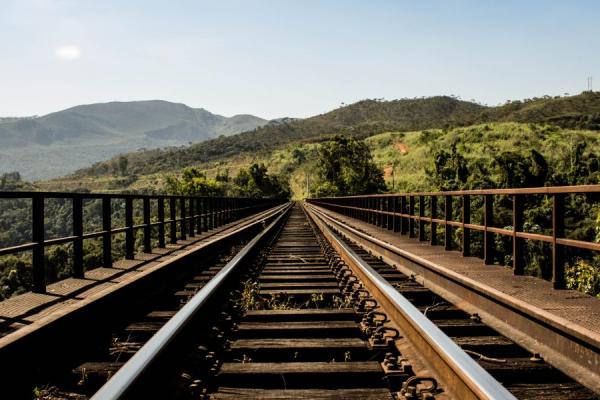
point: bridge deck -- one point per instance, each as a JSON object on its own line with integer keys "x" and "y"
{"x": 23, "y": 310}
{"x": 572, "y": 309}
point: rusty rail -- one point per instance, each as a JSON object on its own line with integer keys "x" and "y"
{"x": 196, "y": 215}
{"x": 397, "y": 212}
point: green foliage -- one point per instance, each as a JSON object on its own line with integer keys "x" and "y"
{"x": 256, "y": 182}
{"x": 450, "y": 170}
{"x": 11, "y": 181}
{"x": 584, "y": 276}
{"x": 194, "y": 183}
{"x": 363, "y": 119}
{"x": 346, "y": 167}
{"x": 252, "y": 182}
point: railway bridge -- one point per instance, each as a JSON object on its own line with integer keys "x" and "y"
{"x": 430, "y": 295}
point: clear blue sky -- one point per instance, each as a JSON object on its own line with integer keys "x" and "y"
{"x": 290, "y": 58}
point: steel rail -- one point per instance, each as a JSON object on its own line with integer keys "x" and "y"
{"x": 468, "y": 378}
{"x": 142, "y": 361}
{"x": 544, "y": 190}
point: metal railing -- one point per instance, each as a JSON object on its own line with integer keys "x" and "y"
{"x": 188, "y": 216}
{"x": 400, "y": 212}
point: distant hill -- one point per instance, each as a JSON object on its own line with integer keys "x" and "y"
{"x": 61, "y": 142}
{"x": 361, "y": 119}
{"x": 576, "y": 112}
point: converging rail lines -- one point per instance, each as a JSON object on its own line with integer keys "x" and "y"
{"x": 333, "y": 298}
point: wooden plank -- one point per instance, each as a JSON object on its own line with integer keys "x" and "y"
{"x": 355, "y": 367}
{"x": 318, "y": 268}
{"x": 296, "y": 326}
{"x": 302, "y": 315}
{"x": 549, "y": 391}
{"x": 145, "y": 326}
{"x": 98, "y": 367}
{"x": 290, "y": 274}
{"x": 230, "y": 393}
{"x": 293, "y": 344}
{"x": 167, "y": 314}
{"x": 280, "y": 285}
{"x": 308, "y": 291}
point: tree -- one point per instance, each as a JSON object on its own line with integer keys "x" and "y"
{"x": 123, "y": 162}
{"x": 450, "y": 170}
{"x": 256, "y": 182}
{"x": 346, "y": 167}
{"x": 517, "y": 170}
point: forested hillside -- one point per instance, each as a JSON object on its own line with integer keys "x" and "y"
{"x": 363, "y": 119}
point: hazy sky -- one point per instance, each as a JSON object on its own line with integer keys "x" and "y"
{"x": 290, "y": 58}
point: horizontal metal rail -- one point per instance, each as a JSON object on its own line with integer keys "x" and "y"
{"x": 132, "y": 372}
{"x": 468, "y": 378}
{"x": 188, "y": 216}
{"x": 480, "y": 192}
{"x": 407, "y": 212}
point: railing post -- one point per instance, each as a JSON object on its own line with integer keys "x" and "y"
{"x": 387, "y": 218}
{"x": 466, "y": 219}
{"x": 218, "y": 212}
{"x": 558, "y": 231}
{"x": 129, "y": 232}
{"x": 182, "y": 226}
{"x": 221, "y": 208}
{"x": 447, "y": 226}
{"x": 78, "y": 233}
{"x": 411, "y": 220}
{"x": 173, "y": 215}
{"x": 397, "y": 210}
{"x": 37, "y": 236}
{"x": 403, "y": 220}
{"x": 161, "y": 222}
{"x": 227, "y": 211}
{"x": 433, "y": 225}
{"x": 107, "y": 235}
{"x": 212, "y": 216}
{"x": 147, "y": 226}
{"x": 518, "y": 245}
{"x": 198, "y": 216}
{"x": 204, "y": 214}
{"x": 488, "y": 237}
{"x": 192, "y": 216}
{"x": 422, "y": 236}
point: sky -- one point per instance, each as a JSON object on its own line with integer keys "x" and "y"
{"x": 290, "y": 58}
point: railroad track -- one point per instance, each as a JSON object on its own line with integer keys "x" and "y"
{"x": 525, "y": 375}
{"x": 300, "y": 313}
{"x": 86, "y": 350}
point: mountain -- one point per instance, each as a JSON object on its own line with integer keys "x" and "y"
{"x": 61, "y": 142}
{"x": 362, "y": 119}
